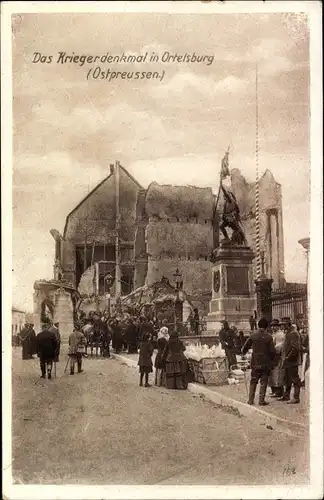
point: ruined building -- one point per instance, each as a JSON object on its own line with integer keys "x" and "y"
{"x": 162, "y": 228}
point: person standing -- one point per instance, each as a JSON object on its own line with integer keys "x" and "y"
{"x": 175, "y": 362}
{"x": 55, "y": 329}
{"x": 46, "y": 350}
{"x": 106, "y": 338}
{"x": 25, "y": 336}
{"x": 228, "y": 341}
{"x": 292, "y": 358}
{"x": 145, "y": 359}
{"x": 194, "y": 321}
{"x": 130, "y": 335}
{"x": 76, "y": 343}
{"x": 252, "y": 322}
{"x": 276, "y": 379}
{"x": 33, "y": 342}
{"x": 159, "y": 364}
{"x": 117, "y": 338}
{"x": 263, "y": 355}
{"x": 242, "y": 339}
{"x": 305, "y": 350}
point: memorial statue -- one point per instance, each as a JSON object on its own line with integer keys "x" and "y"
{"x": 231, "y": 213}
{"x": 231, "y": 219}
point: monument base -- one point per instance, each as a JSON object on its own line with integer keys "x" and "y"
{"x": 233, "y": 297}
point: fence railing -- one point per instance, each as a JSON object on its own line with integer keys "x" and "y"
{"x": 289, "y": 302}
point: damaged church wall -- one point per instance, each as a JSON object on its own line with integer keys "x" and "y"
{"x": 180, "y": 235}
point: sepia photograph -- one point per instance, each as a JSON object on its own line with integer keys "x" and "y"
{"x": 161, "y": 195}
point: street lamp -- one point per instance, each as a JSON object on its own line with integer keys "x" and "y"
{"x": 178, "y": 305}
{"x": 109, "y": 281}
{"x": 177, "y": 277}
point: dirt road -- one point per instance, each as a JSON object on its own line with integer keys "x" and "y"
{"x": 100, "y": 427}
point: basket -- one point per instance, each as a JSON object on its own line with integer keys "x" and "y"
{"x": 209, "y": 371}
{"x": 215, "y": 377}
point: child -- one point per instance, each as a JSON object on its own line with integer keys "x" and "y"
{"x": 145, "y": 359}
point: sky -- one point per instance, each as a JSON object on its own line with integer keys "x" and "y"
{"x": 67, "y": 129}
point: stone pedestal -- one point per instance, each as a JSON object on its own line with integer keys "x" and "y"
{"x": 233, "y": 295}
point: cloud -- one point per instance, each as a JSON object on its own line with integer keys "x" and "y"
{"x": 181, "y": 84}
{"x": 53, "y": 170}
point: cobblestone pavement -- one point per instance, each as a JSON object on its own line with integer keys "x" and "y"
{"x": 100, "y": 427}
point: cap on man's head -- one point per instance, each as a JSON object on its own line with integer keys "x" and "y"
{"x": 275, "y": 322}
{"x": 286, "y": 320}
{"x": 263, "y": 323}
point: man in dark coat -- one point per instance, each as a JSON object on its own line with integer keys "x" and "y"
{"x": 292, "y": 359}
{"x": 228, "y": 341}
{"x": 105, "y": 337}
{"x": 55, "y": 329}
{"x": 131, "y": 336}
{"x": 117, "y": 337}
{"x": 263, "y": 355}
{"x": 26, "y": 342}
{"x": 46, "y": 349}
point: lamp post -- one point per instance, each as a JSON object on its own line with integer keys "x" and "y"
{"x": 177, "y": 309}
{"x": 109, "y": 281}
{"x": 177, "y": 278}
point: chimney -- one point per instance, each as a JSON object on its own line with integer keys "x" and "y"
{"x": 112, "y": 168}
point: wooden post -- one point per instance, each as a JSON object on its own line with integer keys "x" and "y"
{"x": 85, "y": 244}
{"x": 97, "y": 278}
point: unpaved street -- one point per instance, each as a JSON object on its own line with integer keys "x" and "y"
{"x": 100, "y": 427}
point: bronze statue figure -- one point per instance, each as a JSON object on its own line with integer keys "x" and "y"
{"x": 231, "y": 219}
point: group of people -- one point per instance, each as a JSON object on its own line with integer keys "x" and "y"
{"x": 124, "y": 333}
{"x": 133, "y": 334}
{"x": 278, "y": 352}
{"x": 47, "y": 345}
{"x": 171, "y": 366}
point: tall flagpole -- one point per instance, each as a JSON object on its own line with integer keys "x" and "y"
{"x": 117, "y": 272}
{"x": 257, "y": 192}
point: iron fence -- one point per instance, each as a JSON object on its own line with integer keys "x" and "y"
{"x": 290, "y": 302}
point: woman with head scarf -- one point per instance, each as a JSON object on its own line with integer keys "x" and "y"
{"x": 176, "y": 365}
{"x": 162, "y": 340}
